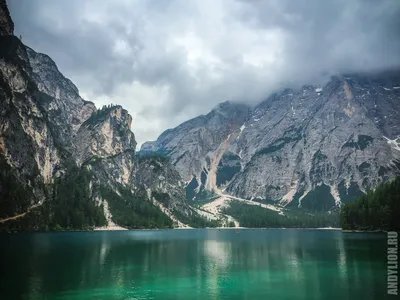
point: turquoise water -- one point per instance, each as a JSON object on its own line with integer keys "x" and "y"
{"x": 194, "y": 264}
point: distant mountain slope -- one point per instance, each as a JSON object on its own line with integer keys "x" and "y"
{"x": 312, "y": 147}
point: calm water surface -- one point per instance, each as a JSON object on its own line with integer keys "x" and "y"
{"x": 194, "y": 264}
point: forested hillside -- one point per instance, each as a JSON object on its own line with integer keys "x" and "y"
{"x": 377, "y": 210}
{"x": 257, "y": 217}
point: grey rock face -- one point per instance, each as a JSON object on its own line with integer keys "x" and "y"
{"x": 45, "y": 126}
{"x": 298, "y": 140}
{"x": 6, "y": 24}
{"x": 65, "y": 109}
{"x": 105, "y": 135}
{"x": 162, "y": 182}
{"x": 192, "y": 145}
{"x": 27, "y": 145}
{"x": 339, "y": 140}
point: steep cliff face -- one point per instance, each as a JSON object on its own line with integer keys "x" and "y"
{"x": 65, "y": 109}
{"x": 105, "y": 135}
{"x": 196, "y": 146}
{"x": 6, "y": 24}
{"x": 64, "y": 163}
{"x": 27, "y": 146}
{"x": 320, "y": 142}
{"x": 161, "y": 181}
{"x": 311, "y": 147}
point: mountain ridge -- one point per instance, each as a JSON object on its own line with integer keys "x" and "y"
{"x": 360, "y": 111}
{"x": 65, "y": 163}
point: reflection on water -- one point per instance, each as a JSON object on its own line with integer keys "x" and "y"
{"x": 193, "y": 264}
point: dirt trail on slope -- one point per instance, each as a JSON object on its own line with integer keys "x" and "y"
{"x": 249, "y": 202}
{"x": 167, "y": 212}
{"x": 20, "y": 215}
{"x": 215, "y": 207}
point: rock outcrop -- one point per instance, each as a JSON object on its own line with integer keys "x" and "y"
{"x": 311, "y": 147}
{"x": 52, "y": 141}
{"x": 196, "y": 146}
{"x": 65, "y": 109}
{"x": 6, "y": 24}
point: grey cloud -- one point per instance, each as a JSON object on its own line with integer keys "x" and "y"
{"x": 333, "y": 36}
{"x": 202, "y": 52}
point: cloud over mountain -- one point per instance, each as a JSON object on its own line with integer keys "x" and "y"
{"x": 167, "y": 61}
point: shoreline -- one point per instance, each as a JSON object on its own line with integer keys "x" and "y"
{"x": 363, "y": 231}
{"x": 118, "y": 228}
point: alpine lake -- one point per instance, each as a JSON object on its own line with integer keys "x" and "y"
{"x": 194, "y": 264}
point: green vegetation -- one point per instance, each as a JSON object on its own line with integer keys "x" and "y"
{"x": 226, "y": 173}
{"x": 291, "y": 135}
{"x": 100, "y": 114}
{"x": 133, "y": 211}
{"x": 195, "y": 220}
{"x": 201, "y": 197}
{"x": 190, "y": 189}
{"x": 152, "y": 157}
{"x": 319, "y": 199}
{"x": 160, "y": 154}
{"x": 204, "y": 196}
{"x": 180, "y": 157}
{"x": 203, "y": 176}
{"x": 349, "y": 193}
{"x": 71, "y": 205}
{"x": 164, "y": 198}
{"x": 68, "y": 206}
{"x": 364, "y": 168}
{"x": 14, "y": 196}
{"x": 377, "y": 210}
{"x": 363, "y": 142}
{"x": 257, "y": 217}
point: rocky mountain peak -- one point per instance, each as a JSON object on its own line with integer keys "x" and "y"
{"x": 223, "y": 106}
{"x": 228, "y": 108}
{"x": 331, "y": 142}
{"x": 105, "y": 133}
{"x": 49, "y": 78}
{"x": 6, "y": 23}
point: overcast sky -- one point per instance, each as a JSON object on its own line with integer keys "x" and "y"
{"x": 167, "y": 61}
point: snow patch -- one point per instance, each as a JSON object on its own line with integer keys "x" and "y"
{"x": 318, "y": 90}
{"x": 396, "y": 87}
{"x": 395, "y": 144}
{"x": 241, "y": 130}
{"x": 386, "y": 89}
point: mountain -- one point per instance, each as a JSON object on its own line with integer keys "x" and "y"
{"x": 66, "y": 164}
{"x": 197, "y": 146}
{"x": 312, "y": 147}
